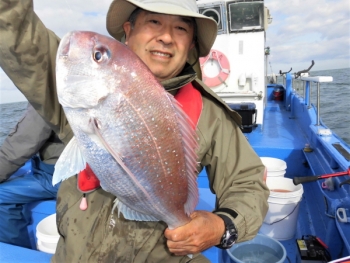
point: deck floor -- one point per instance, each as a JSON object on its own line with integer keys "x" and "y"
{"x": 280, "y": 137}
{"x": 278, "y": 131}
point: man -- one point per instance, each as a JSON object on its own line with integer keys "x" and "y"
{"x": 31, "y": 139}
{"x": 164, "y": 34}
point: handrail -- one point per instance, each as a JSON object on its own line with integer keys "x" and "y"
{"x": 317, "y": 80}
{"x": 307, "y": 92}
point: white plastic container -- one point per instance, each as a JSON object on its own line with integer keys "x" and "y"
{"x": 281, "y": 219}
{"x": 47, "y": 234}
{"x": 275, "y": 167}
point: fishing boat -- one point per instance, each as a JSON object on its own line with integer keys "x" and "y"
{"x": 280, "y": 123}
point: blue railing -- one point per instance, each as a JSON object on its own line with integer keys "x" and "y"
{"x": 307, "y": 91}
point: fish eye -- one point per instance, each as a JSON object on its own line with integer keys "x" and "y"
{"x": 101, "y": 53}
{"x": 98, "y": 56}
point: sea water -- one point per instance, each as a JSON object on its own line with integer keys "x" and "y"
{"x": 334, "y": 101}
{"x": 10, "y": 114}
{"x": 256, "y": 253}
{"x": 335, "y": 106}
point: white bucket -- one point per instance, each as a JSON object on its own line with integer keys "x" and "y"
{"x": 274, "y": 166}
{"x": 281, "y": 219}
{"x": 47, "y": 234}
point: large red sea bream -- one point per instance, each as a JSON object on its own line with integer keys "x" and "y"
{"x": 132, "y": 133}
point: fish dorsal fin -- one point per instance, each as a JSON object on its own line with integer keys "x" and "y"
{"x": 131, "y": 214}
{"x": 70, "y": 162}
{"x": 188, "y": 105}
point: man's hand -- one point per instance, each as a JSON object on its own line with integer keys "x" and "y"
{"x": 203, "y": 231}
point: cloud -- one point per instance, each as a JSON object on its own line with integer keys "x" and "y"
{"x": 302, "y": 31}
{"x": 8, "y": 91}
{"x": 61, "y": 16}
{"x": 64, "y": 16}
{"x": 5, "y": 82}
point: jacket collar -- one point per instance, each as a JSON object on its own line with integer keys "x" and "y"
{"x": 186, "y": 76}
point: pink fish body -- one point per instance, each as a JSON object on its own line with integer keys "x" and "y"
{"x": 132, "y": 133}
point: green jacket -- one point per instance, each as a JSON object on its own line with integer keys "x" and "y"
{"x": 30, "y": 136}
{"x": 27, "y": 55}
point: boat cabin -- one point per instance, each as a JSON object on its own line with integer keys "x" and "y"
{"x": 234, "y": 69}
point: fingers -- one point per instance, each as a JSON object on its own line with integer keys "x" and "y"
{"x": 185, "y": 247}
{"x": 182, "y": 240}
{"x": 179, "y": 234}
{"x": 199, "y": 234}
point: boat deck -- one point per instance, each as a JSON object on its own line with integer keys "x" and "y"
{"x": 279, "y": 131}
{"x": 281, "y": 137}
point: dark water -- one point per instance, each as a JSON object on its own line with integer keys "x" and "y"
{"x": 335, "y": 105}
{"x": 335, "y": 101}
{"x": 10, "y": 114}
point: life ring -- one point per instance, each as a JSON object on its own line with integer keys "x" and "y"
{"x": 224, "y": 64}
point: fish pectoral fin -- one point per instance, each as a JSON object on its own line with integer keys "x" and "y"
{"x": 118, "y": 158}
{"x": 132, "y": 214}
{"x": 96, "y": 127}
{"x": 70, "y": 162}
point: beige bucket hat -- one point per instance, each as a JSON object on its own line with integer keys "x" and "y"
{"x": 120, "y": 10}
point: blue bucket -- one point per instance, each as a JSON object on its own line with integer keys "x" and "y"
{"x": 261, "y": 249}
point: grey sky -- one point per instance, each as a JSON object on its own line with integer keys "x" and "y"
{"x": 301, "y": 31}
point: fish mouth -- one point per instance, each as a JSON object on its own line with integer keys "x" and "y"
{"x": 65, "y": 45}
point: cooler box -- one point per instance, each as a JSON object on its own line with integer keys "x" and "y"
{"x": 248, "y": 112}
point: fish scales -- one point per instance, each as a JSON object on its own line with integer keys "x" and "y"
{"x": 131, "y": 132}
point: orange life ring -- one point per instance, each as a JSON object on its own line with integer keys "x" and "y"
{"x": 224, "y": 64}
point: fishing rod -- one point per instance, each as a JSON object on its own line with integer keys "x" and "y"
{"x": 283, "y": 73}
{"x": 297, "y": 75}
{"x": 307, "y": 179}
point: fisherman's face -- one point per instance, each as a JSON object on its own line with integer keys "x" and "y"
{"x": 162, "y": 41}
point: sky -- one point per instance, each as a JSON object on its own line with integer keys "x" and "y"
{"x": 301, "y": 31}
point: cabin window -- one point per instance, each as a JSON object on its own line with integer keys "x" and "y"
{"x": 246, "y": 16}
{"x": 217, "y": 12}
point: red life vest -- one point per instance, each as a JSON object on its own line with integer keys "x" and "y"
{"x": 191, "y": 102}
